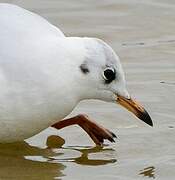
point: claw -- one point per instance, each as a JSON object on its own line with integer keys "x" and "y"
{"x": 111, "y": 139}
{"x": 113, "y": 135}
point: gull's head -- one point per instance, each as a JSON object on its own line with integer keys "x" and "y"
{"x": 102, "y": 77}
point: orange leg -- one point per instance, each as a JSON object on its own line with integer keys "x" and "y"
{"x": 95, "y": 131}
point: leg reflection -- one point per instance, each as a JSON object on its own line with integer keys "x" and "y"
{"x": 84, "y": 158}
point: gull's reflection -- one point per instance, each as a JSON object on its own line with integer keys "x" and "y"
{"x": 85, "y": 151}
{"x": 149, "y": 172}
{"x": 22, "y": 161}
{"x": 85, "y": 160}
{"x": 14, "y": 163}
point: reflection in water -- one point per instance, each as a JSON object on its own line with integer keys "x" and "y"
{"x": 22, "y": 161}
{"x": 56, "y": 141}
{"x": 85, "y": 160}
{"x": 14, "y": 165}
{"x": 149, "y": 172}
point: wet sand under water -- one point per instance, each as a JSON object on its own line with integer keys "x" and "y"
{"x": 143, "y": 34}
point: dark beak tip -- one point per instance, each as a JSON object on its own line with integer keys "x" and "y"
{"x": 145, "y": 117}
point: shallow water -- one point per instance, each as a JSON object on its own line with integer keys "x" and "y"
{"x": 143, "y": 34}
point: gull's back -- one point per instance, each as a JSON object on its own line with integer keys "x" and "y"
{"x": 31, "y": 55}
{"x": 19, "y": 22}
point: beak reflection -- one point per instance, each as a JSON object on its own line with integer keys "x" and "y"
{"x": 135, "y": 108}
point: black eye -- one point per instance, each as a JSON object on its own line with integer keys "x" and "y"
{"x": 109, "y": 75}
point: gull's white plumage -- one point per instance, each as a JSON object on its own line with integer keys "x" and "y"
{"x": 39, "y": 73}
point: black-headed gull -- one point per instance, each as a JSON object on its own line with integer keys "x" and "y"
{"x": 43, "y": 75}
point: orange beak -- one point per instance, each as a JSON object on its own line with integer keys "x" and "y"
{"x": 135, "y": 108}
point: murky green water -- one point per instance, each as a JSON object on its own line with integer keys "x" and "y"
{"x": 143, "y": 34}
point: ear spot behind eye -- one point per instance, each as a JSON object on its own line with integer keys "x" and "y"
{"x": 84, "y": 68}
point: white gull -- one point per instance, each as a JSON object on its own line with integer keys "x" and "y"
{"x": 43, "y": 76}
